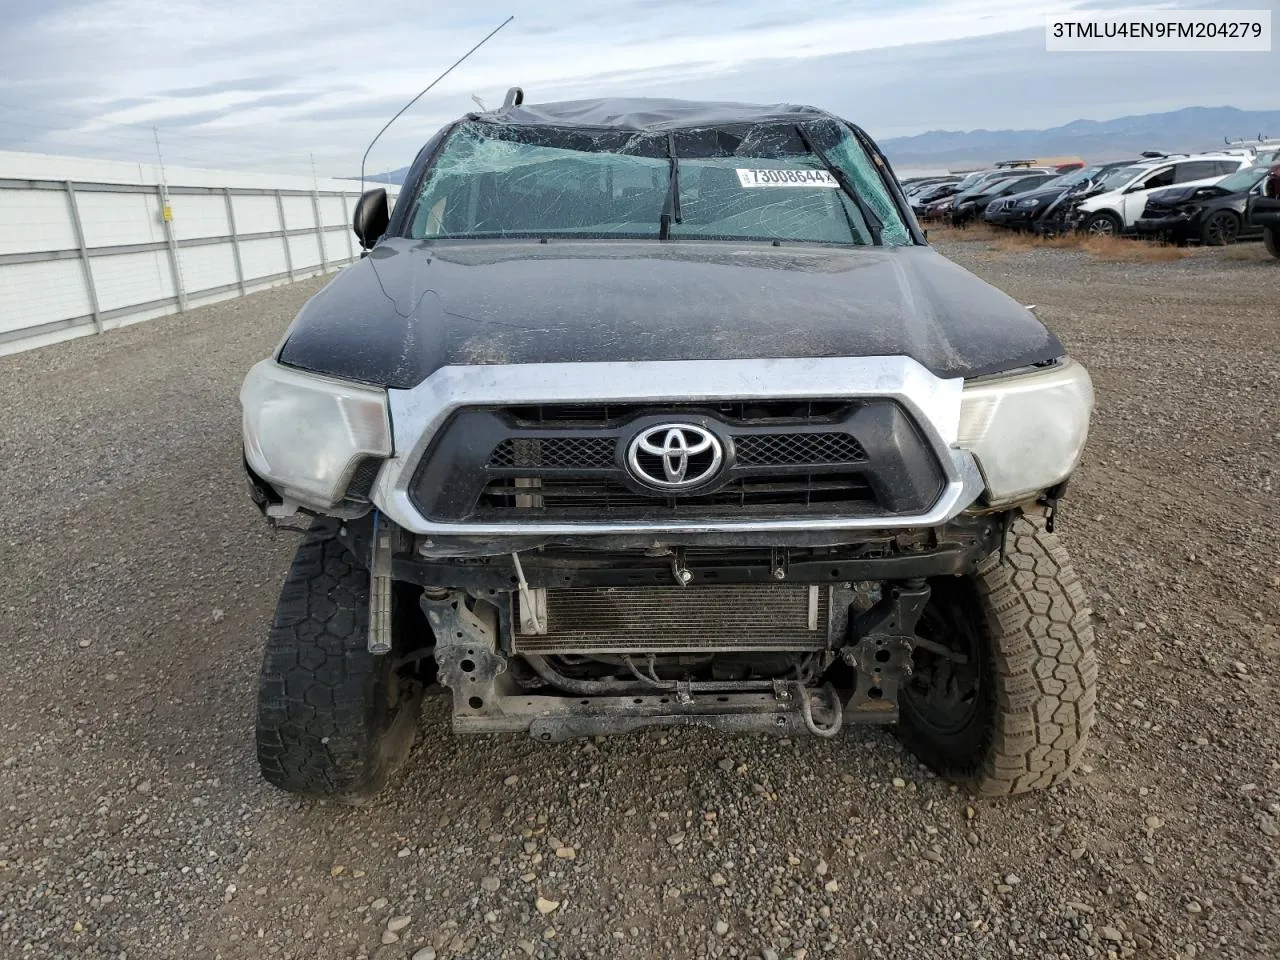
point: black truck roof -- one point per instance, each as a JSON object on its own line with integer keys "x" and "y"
{"x": 648, "y": 114}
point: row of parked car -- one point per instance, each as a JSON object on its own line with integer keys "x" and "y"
{"x": 1211, "y": 198}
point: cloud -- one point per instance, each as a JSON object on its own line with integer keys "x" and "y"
{"x": 265, "y": 85}
{"x": 224, "y": 86}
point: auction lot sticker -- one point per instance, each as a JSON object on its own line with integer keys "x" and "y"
{"x": 785, "y": 178}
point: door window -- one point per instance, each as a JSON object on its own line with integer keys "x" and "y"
{"x": 1160, "y": 178}
{"x": 1195, "y": 170}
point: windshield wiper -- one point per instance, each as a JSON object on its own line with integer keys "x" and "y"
{"x": 671, "y": 205}
{"x": 874, "y": 223}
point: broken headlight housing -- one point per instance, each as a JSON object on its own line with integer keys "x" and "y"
{"x": 1027, "y": 431}
{"x": 306, "y": 434}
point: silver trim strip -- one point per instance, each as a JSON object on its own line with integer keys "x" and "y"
{"x": 417, "y": 413}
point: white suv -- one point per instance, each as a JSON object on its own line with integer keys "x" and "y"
{"x": 1123, "y": 192}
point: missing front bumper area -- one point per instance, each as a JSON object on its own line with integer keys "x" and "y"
{"x": 553, "y": 719}
{"x": 497, "y": 689}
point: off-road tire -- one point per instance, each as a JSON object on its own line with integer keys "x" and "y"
{"x": 1036, "y": 702}
{"x": 334, "y": 720}
{"x": 1271, "y": 240}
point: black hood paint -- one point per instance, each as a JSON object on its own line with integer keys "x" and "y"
{"x": 411, "y": 307}
{"x": 1176, "y": 195}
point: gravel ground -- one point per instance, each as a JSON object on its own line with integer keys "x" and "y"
{"x": 138, "y": 583}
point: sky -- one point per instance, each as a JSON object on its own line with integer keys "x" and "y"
{"x": 277, "y": 85}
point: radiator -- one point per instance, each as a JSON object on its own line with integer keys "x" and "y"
{"x": 674, "y": 619}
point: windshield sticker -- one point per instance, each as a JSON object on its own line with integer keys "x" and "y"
{"x": 785, "y": 178}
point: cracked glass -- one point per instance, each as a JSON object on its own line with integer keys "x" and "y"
{"x": 750, "y": 182}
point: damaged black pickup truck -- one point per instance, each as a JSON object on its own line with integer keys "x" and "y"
{"x": 651, "y": 412}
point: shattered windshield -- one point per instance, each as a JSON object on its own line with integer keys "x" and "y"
{"x": 738, "y": 182}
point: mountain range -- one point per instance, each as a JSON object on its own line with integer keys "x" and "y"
{"x": 1190, "y": 129}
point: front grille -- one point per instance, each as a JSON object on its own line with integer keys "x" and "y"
{"x": 554, "y": 452}
{"x": 568, "y": 498}
{"x": 672, "y": 619}
{"x": 761, "y": 449}
{"x": 777, "y": 449}
{"x": 782, "y": 458}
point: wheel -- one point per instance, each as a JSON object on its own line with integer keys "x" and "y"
{"x": 1002, "y": 697}
{"x": 1271, "y": 239}
{"x": 1103, "y": 224}
{"x": 1220, "y": 229}
{"x": 333, "y": 719}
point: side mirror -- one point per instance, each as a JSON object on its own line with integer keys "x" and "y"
{"x": 371, "y": 217}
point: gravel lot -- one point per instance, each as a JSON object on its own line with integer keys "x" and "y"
{"x": 138, "y": 583}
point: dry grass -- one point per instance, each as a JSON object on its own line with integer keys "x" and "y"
{"x": 1116, "y": 249}
{"x": 976, "y": 231}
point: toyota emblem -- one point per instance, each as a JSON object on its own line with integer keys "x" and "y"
{"x": 674, "y": 456}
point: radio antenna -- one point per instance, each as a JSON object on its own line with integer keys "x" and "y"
{"x": 424, "y": 90}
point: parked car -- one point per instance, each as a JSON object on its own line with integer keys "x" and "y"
{"x": 692, "y": 427}
{"x": 1124, "y": 192}
{"x": 972, "y": 184}
{"x": 929, "y": 185}
{"x": 1264, "y": 211}
{"x": 938, "y": 210}
{"x": 925, "y": 187}
{"x": 962, "y": 197}
{"x": 921, "y": 201}
{"x": 921, "y": 184}
{"x": 1029, "y": 209}
{"x": 974, "y": 179}
{"x": 1214, "y": 215}
{"x": 975, "y": 206}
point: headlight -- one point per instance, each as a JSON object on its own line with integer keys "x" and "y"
{"x": 306, "y": 434}
{"x": 1027, "y": 432}
{"x": 1030, "y": 203}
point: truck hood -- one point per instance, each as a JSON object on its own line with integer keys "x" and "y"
{"x": 411, "y": 307}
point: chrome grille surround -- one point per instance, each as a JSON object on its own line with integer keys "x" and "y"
{"x": 933, "y": 402}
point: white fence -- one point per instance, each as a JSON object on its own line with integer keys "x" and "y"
{"x": 87, "y": 245}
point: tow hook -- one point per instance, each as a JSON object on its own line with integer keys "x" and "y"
{"x": 779, "y": 561}
{"x": 680, "y": 570}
